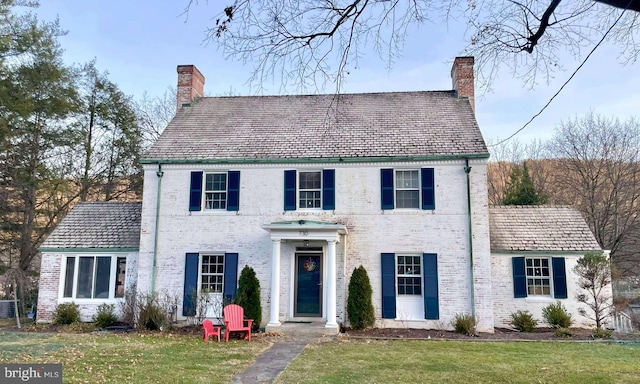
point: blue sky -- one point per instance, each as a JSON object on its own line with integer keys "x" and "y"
{"x": 141, "y": 42}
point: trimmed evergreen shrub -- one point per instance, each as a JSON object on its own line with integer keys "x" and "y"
{"x": 248, "y": 296}
{"x": 66, "y": 313}
{"x": 523, "y": 321}
{"x": 465, "y": 324}
{"x": 359, "y": 305}
{"x": 105, "y": 316}
{"x": 556, "y": 315}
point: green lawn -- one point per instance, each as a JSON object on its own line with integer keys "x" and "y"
{"x": 369, "y": 361}
{"x": 136, "y": 358}
{"x": 162, "y": 358}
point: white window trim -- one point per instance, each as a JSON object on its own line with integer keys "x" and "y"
{"x": 540, "y": 298}
{"x": 395, "y": 189}
{"x": 200, "y": 260}
{"x": 299, "y": 190}
{"x": 203, "y": 198}
{"x": 419, "y": 255}
{"x": 112, "y": 278}
{"x": 216, "y": 296}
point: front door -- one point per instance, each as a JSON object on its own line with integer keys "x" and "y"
{"x": 308, "y": 285}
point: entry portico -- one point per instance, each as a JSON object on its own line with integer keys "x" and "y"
{"x": 314, "y": 255}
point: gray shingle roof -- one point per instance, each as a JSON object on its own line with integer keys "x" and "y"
{"x": 322, "y": 126}
{"x": 98, "y": 225}
{"x": 539, "y": 228}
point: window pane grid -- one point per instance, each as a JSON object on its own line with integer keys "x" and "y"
{"x": 538, "y": 276}
{"x": 212, "y": 273}
{"x": 92, "y": 276}
{"x": 407, "y": 191}
{"x": 310, "y": 190}
{"x": 409, "y": 273}
{"x": 215, "y": 191}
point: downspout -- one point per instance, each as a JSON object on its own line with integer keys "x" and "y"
{"x": 467, "y": 170}
{"x": 159, "y": 173}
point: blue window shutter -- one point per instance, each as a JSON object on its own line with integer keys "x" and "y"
{"x": 428, "y": 190}
{"x": 519, "y": 277}
{"x": 233, "y": 192}
{"x": 388, "y": 285}
{"x": 386, "y": 183}
{"x": 289, "y": 190}
{"x": 559, "y": 278}
{"x": 230, "y": 276}
{"x": 190, "y": 284}
{"x": 195, "y": 195}
{"x": 329, "y": 189}
{"x": 430, "y": 276}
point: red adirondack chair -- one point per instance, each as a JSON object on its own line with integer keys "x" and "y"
{"x": 234, "y": 321}
{"x": 210, "y": 330}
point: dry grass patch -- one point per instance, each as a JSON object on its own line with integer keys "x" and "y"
{"x": 134, "y": 358}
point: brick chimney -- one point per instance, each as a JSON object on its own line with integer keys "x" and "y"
{"x": 462, "y": 79}
{"x": 190, "y": 84}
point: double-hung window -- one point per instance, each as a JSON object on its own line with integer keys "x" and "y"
{"x": 212, "y": 273}
{"x": 539, "y": 276}
{"x": 310, "y": 190}
{"x": 409, "y": 286}
{"x": 407, "y": 188}
{"x": 409, "y": 275}
{"x": 94, "y": 277}
{"x": 215, "y": 191}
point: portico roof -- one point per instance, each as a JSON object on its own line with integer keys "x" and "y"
{"x": 305, "y": 230}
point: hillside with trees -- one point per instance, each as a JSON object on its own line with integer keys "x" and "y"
{"x": 591, "y": 163}
{"x": 67, "y": 134}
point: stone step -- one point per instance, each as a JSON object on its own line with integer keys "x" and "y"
{"x": 310, "y": 329}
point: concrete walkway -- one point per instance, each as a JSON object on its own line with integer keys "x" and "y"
{"x": 273, "y": 361}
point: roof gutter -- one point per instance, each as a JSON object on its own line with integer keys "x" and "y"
{"x": 159, "y": 173}
{"x": 467, "y": 170}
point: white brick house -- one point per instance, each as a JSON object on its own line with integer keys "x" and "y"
{"x": 304, "y": 189}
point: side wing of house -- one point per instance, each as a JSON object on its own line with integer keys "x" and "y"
{"x": 534, "y": 250}
{"x": 90, "y": 259}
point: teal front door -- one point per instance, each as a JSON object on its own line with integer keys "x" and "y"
{"x": 308, "y": 301}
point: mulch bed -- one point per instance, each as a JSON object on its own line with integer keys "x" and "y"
{"x": 499, "y": 334}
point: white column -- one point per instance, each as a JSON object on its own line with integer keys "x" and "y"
{"x": 331, "y": 285}
{"x": 274, "y": 319}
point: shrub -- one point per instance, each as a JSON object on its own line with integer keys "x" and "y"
{"x": 66, "y": 313}
{"x": 601, "y": 333}
{"x": 523, "y": 321}
{"x": 151, "y": 315}
{"x": 359, "y": 305}
{"x": 464, "y": 324}
{"x": 563, "y": 332}
{"x": 105, "y": 317}
{"x": 129, "y": 308}
{"x": 248, "y": 296}
{"x": 556, "y": 315}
